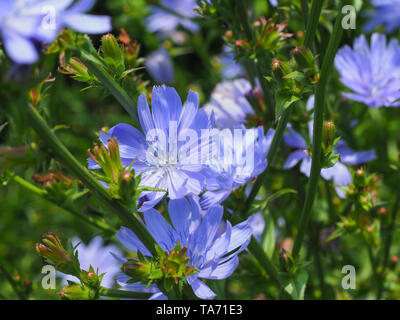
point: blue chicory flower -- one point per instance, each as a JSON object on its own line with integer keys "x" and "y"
{"x": 159, "y": 65}
{"x": 212, "y": 245}
{"x": 166, "y": 22}
{"x": 372, "y": 73}
{"x": 229, "y": 103}
{"x": 236, "y": 164}
{"x": 339, "y": 172}
{"x": 98, "y": 256}
{"x": 387, "y": 13}
{"x": 26, "y": 23}
{"x": 164, "y": 156}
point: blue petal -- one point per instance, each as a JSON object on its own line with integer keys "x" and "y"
{"x": 159, "y": 228}
{"x": 19, "y": 49}
{"x": 222, "y": 271}
{"x": 294, "y": 158}
{"x": 200, "y": 289}
{"x": 349, "y": 156}
{"x": 145, "y": 118}
{"x": 129, "y": 240}
{"x": 294, "y": 139}
{"x": 86, "y": 23}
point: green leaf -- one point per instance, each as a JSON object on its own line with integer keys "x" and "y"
{"x": 3, "y": 126}
{"x": 268, "y": 238}
{"x": 284, "y": 100}
{"x": 295, "y": 287}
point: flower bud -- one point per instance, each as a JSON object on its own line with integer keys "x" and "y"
{"x": 328, "y": 133}
{"x": 53, "y": 251}
{"x": 110, "y": 47}
{"x": 77, "y": 292}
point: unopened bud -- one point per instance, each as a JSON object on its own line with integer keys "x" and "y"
{"x": 76, "y": 292}
{"x": 53, "y": 251}
{"x": 382, "y": 210}
{"x": 328, "y": 133}
{"x": 110, "y": 47}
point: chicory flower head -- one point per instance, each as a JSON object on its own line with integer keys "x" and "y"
{"x": 168, "y": 154}
{"x": 371, "y": 72}
{"x": 387, "y": 13}
{"x": 26, "y": 23}
{"x": 229, "y": 103}
{"x": 239, "y": 161}
{"x": 211, "y": 245}
{"x": 339, "y": 172}
{"x": 98, "y": 256}
{"x": 166, "y": 22}
{"x": 159, "y": 65}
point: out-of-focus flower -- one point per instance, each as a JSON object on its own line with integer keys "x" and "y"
{"x": 98, "y": 256}
{"x": 273, "y": 2}
{"x": 211, "y": 247}
{"x": 229, "y": 103}
{"x": 387, "y": 13}
{"x": 230, "y": 68}
{"x": 165, "y": 21}
{"x": 163, "y": 156}
{"x": 159, "y": 65}
{"x": 371, "y": 72}
{"x": 238, "y": 162}
{"x": 25, "y": 23}
{"x": 338, "y": 172}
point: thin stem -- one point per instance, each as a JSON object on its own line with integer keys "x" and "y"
{"x": 66, "y": 207}
{"x": 331, "y": 208}
{"x": 313, "y": 23}
{"x": 10, "y": 279}
{"x": 317, "y": 132}
{"x": 257, "y": 251}
{"x": 304, "y": 7}
{"x": 388, "y": 244}
{"x": 89, "y": 181}
{"x": 276, "y": 140}
{"x": 115, "y": 293}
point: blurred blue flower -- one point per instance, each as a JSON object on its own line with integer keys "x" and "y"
{"x": 372, "y": 73}
{"x": 387, "y": 13}
{"x": 212, "y": 245}
{"x": 236, "y": 164}
{"x": 229, "y": 103}
{"x": 273, "y": 2}
{"x": 230, "y": 68}
{"x": 25, "y": 23}
{"x": 159, "y": 65}
{"x": 164, "y": 157}
{"x": 339, "y": 172}
{"x": 166, "y": 22}
{"x": 99, "y": 257}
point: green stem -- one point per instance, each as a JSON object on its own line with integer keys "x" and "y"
{"x": 66, "y": 207}
{"x": 304, "y": 7}
{"x": 114, "y": 293}
{"x": 317, "y": 132}
{"x": 388, "y": 244}
{"x": 131, "y": 221}
{"x": 313, "y": 23}
{"x": 10, "y": 279}
{"x": 94, "y": 65}
{"x": 257, "y": 251}
{"x": 276, "y": 140}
